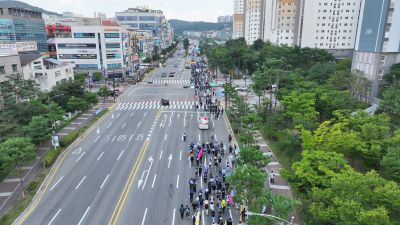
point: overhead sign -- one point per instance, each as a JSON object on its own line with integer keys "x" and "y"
{"x": 25, "y": 46}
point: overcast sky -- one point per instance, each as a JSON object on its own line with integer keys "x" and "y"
{"x": 192, "y": 10}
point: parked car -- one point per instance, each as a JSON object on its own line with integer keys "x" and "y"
{"x": 172, "y": 74}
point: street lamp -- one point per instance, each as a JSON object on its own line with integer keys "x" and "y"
{"x": 51, "y": 118}
{"x": 245, "y": 87}
{"x": 271, "y": 217}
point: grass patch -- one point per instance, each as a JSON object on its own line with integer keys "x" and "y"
{"x": 21, "y": 205}
{"x": 51, "y": 156}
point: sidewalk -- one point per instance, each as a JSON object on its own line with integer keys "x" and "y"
{"x": 280, "y": 185}
{"x": 10, "y": 188}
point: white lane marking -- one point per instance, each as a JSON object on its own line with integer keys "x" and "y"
{"x": 199, "y": 138}
{"x": 144, "y": 216}
{"x": 201, "y": 182}
{"x": 80, "y": 156}
{"x": 109, "y": 125}
{"x": 230, "y": 214}
{"x": 83, "y": 217}
{"x": 202, "y": 216}
{"x": 98, "y": 130}
{"x": 216, "y": 138}
{"x": 113, "y": 138}
{"x": 173, "y": 217}
{"x": 120, "y": 154}
{"x": 180, "y": 156}
{"x": 80, "y": 182}
{"x": 97, "y": 139}
{"x": 170, "y": 119}
{"x": 161, "y": 153}
{"x": 166, "y": 135}
{"x": 212, "y": 121}
{"x": 56, "y": 183}
{"x": 130, "y": 137}
{"x": 59, "y": 210}
{"x": 100, "y": 156}
{"x": 104, "y": 181}
{"x": 184, "y": 120}
{"x": 154, "y": 180}
{"x": 177, "y": 182}
{"x": 125, "y": 124}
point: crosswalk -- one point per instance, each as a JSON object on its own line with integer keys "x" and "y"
{"x": 168, "y": 81}
{"x": 122, "y": 106}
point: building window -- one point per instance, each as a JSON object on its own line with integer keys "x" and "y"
{"x": 2, "y": 70}
{"x": 14, "y": 68}
{"x": 84, "y": 35}
{"x": 111, "y": 35}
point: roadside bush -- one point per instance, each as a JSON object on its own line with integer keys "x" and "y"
{"x": 32, "y": 186}
{"x": 69, "y": 138}
{"x": 51, "y": 156}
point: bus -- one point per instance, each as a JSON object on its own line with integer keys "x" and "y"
{"x": 203, "y": 123}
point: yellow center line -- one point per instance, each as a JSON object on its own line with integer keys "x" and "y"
{"x": 121, "y": 201}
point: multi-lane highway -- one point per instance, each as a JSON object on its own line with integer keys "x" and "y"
{"x": 133, "y": 167}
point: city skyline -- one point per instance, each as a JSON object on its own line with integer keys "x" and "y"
{"x": 173, "y": 9}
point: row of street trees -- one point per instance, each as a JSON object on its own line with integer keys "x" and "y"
{"x": 28, "y": 116}
{"x": 343, "y": 163}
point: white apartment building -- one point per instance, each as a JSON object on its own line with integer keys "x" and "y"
{"x": 253, "y": 20}
{"x": 328, "y": 24}
{"x": 378, "y": 41}
{"x": 238, "y": 19}
{"x": 47, "y": 72}
{"x": 280, "y": 21}
{"x": 94, "y": 47}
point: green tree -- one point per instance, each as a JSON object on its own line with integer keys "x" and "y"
{"x": 248, "y": 182}
{"x": 300, "y": 109}
{"x": 320, "y": 72}
{"x": 64, "y": 90}
{"x": 81, "y": 76}
{"x": 253, "y": 156}
{"x": 91, "y": 98}
{"x": 76, "y": 104}
{"x": 390, "y": 100}
{"x": 97, "y": 76}
{"x": 104, "y": 93}
{"x": 316, "y": 169}
{"x": 19, "y": 149}
{"x": 390, "y": 164}
{"x": 6, "y": 164}
{"x": 393, "y": 76}
{"x": 38, "y": 129}
{"x": 186, "y": 45}
{"x": 358, "y": 199}
{"x": 258, "y": 44}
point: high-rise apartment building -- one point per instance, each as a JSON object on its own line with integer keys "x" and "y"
{"x": 238, "y": 19}
{"x": 22, "y": 27}
{"x": 328, "y": 24}
{"x": 378, "y": 40}
{"x": 253, "y": 20}
{"x": 280, "y": 21}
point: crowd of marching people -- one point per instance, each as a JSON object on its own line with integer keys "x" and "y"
{"x": 210, "y": 165}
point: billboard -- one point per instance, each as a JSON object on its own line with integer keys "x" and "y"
{"x": 8, "y": 49}
{"x": 26, "y": 46}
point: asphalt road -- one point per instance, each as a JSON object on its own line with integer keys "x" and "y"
{"x": 133, "y": 168}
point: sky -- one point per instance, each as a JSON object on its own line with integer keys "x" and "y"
{"x": 191, "y": 10}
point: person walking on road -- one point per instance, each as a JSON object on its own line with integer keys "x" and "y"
{"x": 182, "y": 211}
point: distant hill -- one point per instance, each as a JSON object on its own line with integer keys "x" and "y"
{"x": 181, "y": 25}
{"x": 8, "y": 3}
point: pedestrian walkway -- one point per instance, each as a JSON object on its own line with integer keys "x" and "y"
{"x": 145, "y": 105}
{"x": 279, "y": 186}
{"x": 168, "y": 81}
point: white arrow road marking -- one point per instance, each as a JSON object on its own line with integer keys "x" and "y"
{"x": 169, "y": 160}
{"x": 56, "y": 183}
{"x": 80, "y": 156}
{"x": 77, "y": 151}
{"x": 144, "y": 216}
{"x": 104, "y": 181}
{"x": 147, "y": 174}
{"x": 154, "y": 180}
{"x": 170, "y": 119}
{"x": 83, "y": 217}
{"x": 59, "y": 210}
